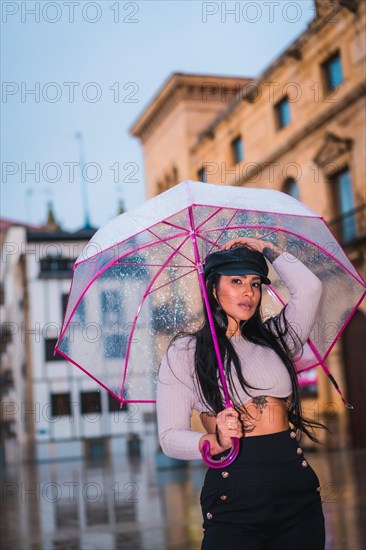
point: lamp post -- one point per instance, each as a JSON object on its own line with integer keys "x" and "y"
{"x": 84, "y": 188}
{"x": 28, "y": 205}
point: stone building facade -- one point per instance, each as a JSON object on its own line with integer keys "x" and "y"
{"x": 298, "y": 128}
{"x": 182, "y": 108}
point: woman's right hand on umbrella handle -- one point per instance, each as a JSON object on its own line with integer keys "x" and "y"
{"x": 227, "y": 430}
{"x": 228, "y": 426}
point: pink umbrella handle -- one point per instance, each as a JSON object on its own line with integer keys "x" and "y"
{"x": 223, "y": 461}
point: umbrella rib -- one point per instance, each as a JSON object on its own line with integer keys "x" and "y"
{"x": 250, "y": 226}
{"x": 290, "y": 233}
{"x": 146, "y": 293}
{"x": 340, "y": 332}
{"x": 139, "y": 264}
{"x": 135, "y": 235}
{"x": 86, "y": 372}
{"x": 205, "y": 205}
{"x": 173, "y": 280}
{"x": 327, "y": 372}
{"x": 101, "y": 271}
{"x": 62, "y": 332}
{"x": 208, "y": 309}
{"x": 209, "y": 218}
{"x": 183, "y": 255}
{"x": 224, "y": 229}
{"x": 321, "y": 361}
{"x": 269, "y": 212}
{"x": 101, "y": 383}
{"x": 308, "y": 340}
{"x": 165, "y": 222}
{"x": 208, "y": 241}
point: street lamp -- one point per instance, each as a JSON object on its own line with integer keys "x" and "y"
{"x": 84, "y": 188}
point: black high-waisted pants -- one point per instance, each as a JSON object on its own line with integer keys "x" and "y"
{"x": 267, "y": 499}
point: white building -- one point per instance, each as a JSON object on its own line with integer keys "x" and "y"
{"x": 68, "y": 415}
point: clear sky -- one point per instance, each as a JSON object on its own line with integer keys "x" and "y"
{"x": 94, "y": 66}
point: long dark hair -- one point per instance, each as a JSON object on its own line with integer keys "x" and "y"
{"x": 274, "y": 333}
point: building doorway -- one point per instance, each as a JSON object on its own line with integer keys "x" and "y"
{"x": 355, "y": 373}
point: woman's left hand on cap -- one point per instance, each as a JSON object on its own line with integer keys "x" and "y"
{"x": 254, "y": 244}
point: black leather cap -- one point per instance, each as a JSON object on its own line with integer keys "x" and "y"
{"x": 237, "y": 261}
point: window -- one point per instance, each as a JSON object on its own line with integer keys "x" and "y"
{"x": 115, "y": 346}
{"x": 60, "y": 404}
{"x": 115, "y": 406}
{"x": 96, "y": 451}
{"x": 56, "y": 266}
{"x": 64, "y": 300}
{"x": 332, "y": 70}
{"x": 237, "y": 150}
{"x": 111, "y": 307}
{"x": 202, "y": 175}
{"x": 90, "y": 402}
{"x": 49, "y": 347}
{"x": 291, "y": 187}
{"x": 283, "y": 114}
{"x": 342, "y": 188}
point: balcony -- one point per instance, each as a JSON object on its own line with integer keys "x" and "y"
{"x": 350, "y": 227}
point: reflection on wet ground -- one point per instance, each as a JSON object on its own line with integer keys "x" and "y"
{"x": 130, "y": 504}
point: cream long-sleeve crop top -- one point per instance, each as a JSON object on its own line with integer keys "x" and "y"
{"x": 177, "y": 393}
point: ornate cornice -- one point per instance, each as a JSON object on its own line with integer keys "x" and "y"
{"x": 180, "y": 87}
{"x": 332, "y": 148}
{"x": 294, "y": 51}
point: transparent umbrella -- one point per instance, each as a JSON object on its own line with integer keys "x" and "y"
{"x": 139, "y": 281}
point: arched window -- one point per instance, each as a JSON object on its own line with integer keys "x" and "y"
{"x": 344, "y": 205}
{"x": 283, "y": 113}
{"x": 237, "y": 150}
{"x": 291, "y": 187}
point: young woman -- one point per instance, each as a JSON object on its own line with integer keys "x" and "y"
{"x": 269, "y": 497}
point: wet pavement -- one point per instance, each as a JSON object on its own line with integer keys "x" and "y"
{"x": 129, "y": 503}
